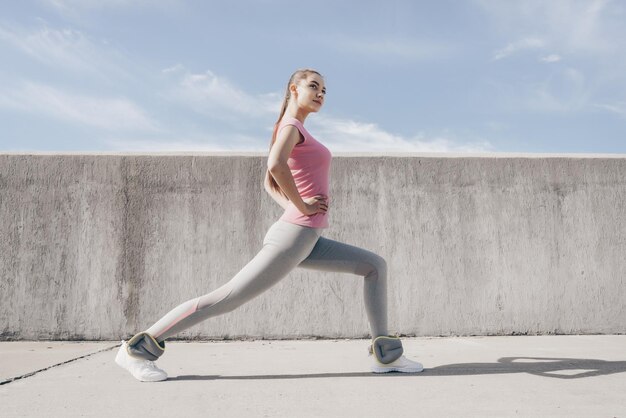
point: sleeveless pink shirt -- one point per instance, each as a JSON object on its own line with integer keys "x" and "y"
{"x": 309, "y": 163}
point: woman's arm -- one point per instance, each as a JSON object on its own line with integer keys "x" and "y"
{"x": 279, "y": 198}
{"x": 286, "y": 140}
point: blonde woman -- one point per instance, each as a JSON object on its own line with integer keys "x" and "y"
{"x": 297, "y": 179}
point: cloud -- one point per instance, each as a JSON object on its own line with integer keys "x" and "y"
{"x": 110, "y": 114}
{"x": 218, "y": 98}
{"x": 187, "y": 142}
{"x": 575, "y": 26}
{"x": 567, "y": 91}
{"x": 173, "y": 69}
{"x": 339, "y": 135}
{"x": 510, "y": 49}
{"x": 68, "y": 49}
{"x": 590, "y": 33}
{"x": 345, "y": 135}
{"x": 618, "y": 108}
{"x": 551, "y": 58}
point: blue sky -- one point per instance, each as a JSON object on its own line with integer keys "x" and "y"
{"x": 402, "y": 76}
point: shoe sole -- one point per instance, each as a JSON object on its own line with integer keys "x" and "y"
{"x": 395, "y": 369}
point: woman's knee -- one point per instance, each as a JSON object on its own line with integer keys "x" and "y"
{"x": 377, "y": 268}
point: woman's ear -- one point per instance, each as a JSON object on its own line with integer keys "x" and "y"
{"x": 293, "y": 90}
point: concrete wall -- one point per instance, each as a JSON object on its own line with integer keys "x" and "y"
{"x": 101, "y": 246}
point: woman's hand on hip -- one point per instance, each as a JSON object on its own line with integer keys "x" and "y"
{"x": 316, "y": 204}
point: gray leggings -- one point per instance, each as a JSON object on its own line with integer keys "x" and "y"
{"x": 285, "y": 247}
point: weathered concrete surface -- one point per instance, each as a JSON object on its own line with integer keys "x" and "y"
{"x": 22, "y": 358}
{"x": 547, "y": 376}
{"x": 101, "y": 246}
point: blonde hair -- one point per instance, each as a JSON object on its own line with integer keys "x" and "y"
{"x": 298, "y": 75}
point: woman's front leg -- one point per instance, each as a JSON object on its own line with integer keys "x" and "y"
{"x": 335, "y": 256}
{"x": 330, "y": 255}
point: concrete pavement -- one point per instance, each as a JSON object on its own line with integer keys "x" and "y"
{"x": 547, "y": 376}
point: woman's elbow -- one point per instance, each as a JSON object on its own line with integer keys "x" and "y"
{"x": 274, "y": 167}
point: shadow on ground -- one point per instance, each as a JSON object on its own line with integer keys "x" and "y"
{"x": 560, "y": 368}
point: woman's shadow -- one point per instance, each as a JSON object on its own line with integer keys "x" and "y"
{"x": 559, "y": 368}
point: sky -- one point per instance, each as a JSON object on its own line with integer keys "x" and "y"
{"x": 451, "y": 76}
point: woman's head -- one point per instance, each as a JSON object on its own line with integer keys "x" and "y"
{"x": 306, "y": 90}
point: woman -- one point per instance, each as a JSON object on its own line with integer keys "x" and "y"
{"x": 298, "y": 179}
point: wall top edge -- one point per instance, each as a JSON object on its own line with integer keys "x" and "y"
{"x": 335, "y": 154}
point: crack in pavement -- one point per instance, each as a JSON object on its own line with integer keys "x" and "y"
{"x": 13, "y": 379}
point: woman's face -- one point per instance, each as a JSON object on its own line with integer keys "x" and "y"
{"x": 309, "y": 92}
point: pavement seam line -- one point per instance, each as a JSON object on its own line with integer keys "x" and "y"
{"x": 29, "y": 374}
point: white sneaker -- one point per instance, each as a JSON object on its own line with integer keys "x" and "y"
{"x": 402, "y": 364}
{"x": 142, "y": 370}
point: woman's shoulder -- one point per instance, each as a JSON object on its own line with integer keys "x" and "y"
{"x": 288, "y": 120}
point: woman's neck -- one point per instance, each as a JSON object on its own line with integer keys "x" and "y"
{"x": 297, "y": 113}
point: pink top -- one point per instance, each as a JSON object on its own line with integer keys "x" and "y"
{"x": 310, "y": 166}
